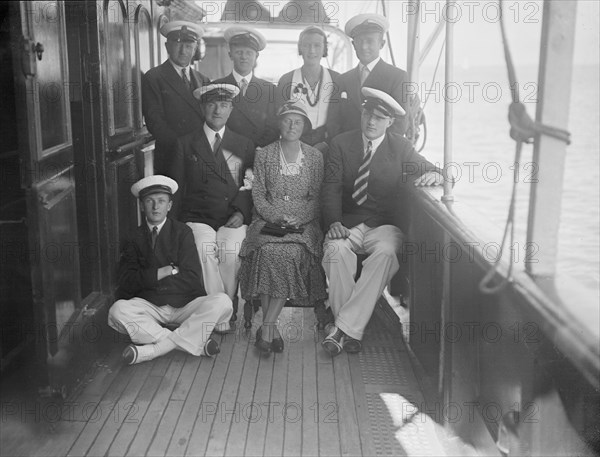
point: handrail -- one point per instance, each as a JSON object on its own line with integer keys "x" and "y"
{"x": 557, "y": 320}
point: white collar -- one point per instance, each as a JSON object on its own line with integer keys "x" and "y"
{"x": 239, "y": 77}
{"x": 370, "y": 65}
{"x": 159, "y": 226}
{"x": 374, "y": 143}
{"x": 210, "y": 133}
{"x": 178, "y": 69}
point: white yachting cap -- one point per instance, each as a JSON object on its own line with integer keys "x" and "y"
{"x": 366, "y": 23}
{"x": 220, "y": 92}
{"x": 377, "y": 99}
{"x": 242, "y": 35}
{"x": 153, "y": 185}
{"x": 182, "y": 31}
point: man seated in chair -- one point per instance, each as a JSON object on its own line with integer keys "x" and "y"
{"x": 364, "y": 173}
{"x": 160, "y": 284}
{"x": 210, "y": 165}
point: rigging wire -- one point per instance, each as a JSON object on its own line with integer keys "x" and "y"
{"x": 523, "y": 130}
{"x": 387, "y": 34}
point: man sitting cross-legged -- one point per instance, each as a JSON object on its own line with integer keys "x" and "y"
{"x": 365, "y": 171}
{"x": 160, "y": 283}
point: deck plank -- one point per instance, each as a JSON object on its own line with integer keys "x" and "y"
{"x": 207, "y": 413}
{"x": 163, "y": 434}
{"x": 238, "y": 433}
{"x": 159, "y": 403}
{"x": 259, "y": 411}
{"x": 292, "y": 414}
{"x": 101, "y": 412}
{"x": 132, "y": 422}
{"x": 360, "y": 404}
{"x": 228, "y": 409}
{"x": 186, "y": 377}
{"x": 185, "y": 424}
{"x": 326, "y": 414}
{"x": 310, "y": 399}
{"x": 348, "y": 421}
{"x": 120, "y": 412}
{"x": 276, "y": 421}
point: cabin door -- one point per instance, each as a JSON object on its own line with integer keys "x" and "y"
{"x": 47, "y": 174}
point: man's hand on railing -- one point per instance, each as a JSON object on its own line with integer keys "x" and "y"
{"x": 431, "y": 178}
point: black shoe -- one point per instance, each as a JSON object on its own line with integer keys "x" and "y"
{"x": 263, "y": 346}
{"x": 352, "y": 345}
{"x": 333, "y": 343}
{"x": 211, "y": 348}
{"x": 277, "y": 344}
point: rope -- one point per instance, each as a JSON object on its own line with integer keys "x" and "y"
{"x": 523, "y": 129}
{"x": 387, "y": 34}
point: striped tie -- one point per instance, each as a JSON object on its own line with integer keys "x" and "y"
{"x": 360, "y": 184}
{"x": 185, "y": 78}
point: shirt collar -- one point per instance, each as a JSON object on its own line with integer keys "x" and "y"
{"x": 370, "y": 65}
{"x": 159, "y": 226}
{"x": 239, "y": 77}
{"x": 374, "y": 143}
{"x": 178, "y": 68}
{"x": 210, "y": 133}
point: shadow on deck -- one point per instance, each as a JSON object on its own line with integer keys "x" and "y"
{"x": 299, "y": 402}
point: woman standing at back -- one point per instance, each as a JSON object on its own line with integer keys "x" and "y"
{"x": 316, "y": 86}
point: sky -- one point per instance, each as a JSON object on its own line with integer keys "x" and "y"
{"x": 477, "y": 30}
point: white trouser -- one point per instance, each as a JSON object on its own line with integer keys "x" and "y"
{"x": 352, "y": 303}
{"x": 219, "y": 255}
{"x": 143, "y": 321}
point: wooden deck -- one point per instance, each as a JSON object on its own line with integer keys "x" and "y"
{"x": 299, "y": 402}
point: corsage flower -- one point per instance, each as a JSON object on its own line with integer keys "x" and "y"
{"x": 248, "y": 178}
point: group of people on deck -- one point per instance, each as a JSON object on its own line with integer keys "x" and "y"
{"x": 267, "y": 192}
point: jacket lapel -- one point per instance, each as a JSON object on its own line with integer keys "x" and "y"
{"x": 174, "y": 80}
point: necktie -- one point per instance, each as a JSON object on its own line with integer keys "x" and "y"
{"x": 360, "y": 184}
{"x": 364, "y": 74}
{"x": 154, "y": 236}
{"x": 243, "y": 86}
{"x": 186, "y": 79}
{"x": 217, "y": 144}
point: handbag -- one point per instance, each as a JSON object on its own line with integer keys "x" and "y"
{"x": 279, "y": 230}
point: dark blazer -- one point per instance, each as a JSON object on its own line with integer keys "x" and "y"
{"x": 333, "y": 126}
{"x": 139, "y": 264}
{"x": 253, "y": 115}
{"x": 207, "y": 191}
{"x": 394, "y": 166}
{"x": 170, "y": 109}
{"x": 384, "y": 77}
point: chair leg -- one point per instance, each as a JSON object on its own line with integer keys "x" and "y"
{"x": 234, "y": 303}
{"x": 248, "y": 313}
{"x": 324, "y": 315}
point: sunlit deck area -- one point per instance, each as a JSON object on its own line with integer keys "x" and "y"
{"x": 299, "y": 402}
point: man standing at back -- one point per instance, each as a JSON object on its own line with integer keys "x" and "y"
{"x": 367, "y": 33}
{"x": 169, "y": 107}
{"x": 253, "y": 114}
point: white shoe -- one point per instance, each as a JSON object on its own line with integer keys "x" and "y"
{"x": 133, "y": 354}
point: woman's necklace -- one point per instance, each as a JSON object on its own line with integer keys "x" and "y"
{"x": 287, "y": 166}
{"x": 307, "y": 89}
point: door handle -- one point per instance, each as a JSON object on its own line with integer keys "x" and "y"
{"x": 39, "y": 50}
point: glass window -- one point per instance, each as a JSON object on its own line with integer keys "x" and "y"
{"x": 51, "y": 75}
{"x": 120, "y": 88}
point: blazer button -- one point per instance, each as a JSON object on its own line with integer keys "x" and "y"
{"x": 226, "y": 198}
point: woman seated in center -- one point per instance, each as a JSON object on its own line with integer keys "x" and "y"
{"x": 286, "y": 192}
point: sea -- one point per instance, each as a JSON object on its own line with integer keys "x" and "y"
{"x": 484, "y": 157}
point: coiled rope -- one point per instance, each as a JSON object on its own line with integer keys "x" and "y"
{"x": 523, "y": 129}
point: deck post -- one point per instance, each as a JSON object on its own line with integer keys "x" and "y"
{"x": 554, "y": 94}
{"x": 448, "y": 104}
